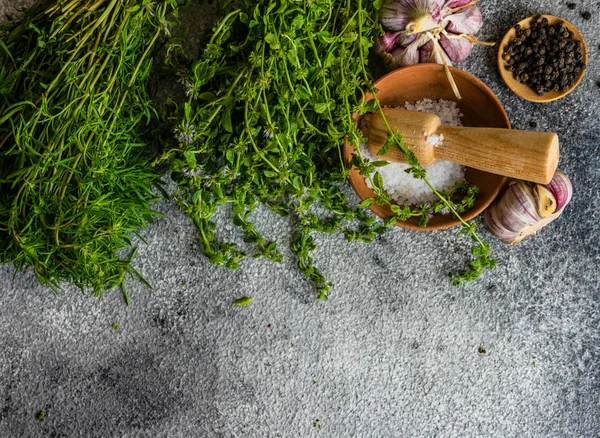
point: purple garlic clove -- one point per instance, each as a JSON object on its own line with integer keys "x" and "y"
{"x": 561, "y": 188}
{"x": 467, "y": 21}
{"x": 457, "y": 49}
{"x": 389, "y": 40}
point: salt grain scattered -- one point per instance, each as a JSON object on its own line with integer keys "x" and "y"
{"x": 443, "y": 175}
{"x": 435, "y": 140}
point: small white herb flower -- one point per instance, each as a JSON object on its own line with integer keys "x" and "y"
{"x": 267, "y": 134}
{"x": 166, "y": 30}
{"x": 191, "y": 173}
{"x": 185, "y": 133}
{"x": 188, "y": 87}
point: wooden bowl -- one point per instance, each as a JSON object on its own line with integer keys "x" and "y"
{"x": 523, "y": 90}
{"x": 480, "y": 107}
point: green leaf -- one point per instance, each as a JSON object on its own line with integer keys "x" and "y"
{"x": 226, "y": 120}
{"x": 379, "y": 163}
{"x": 329, "y": 59}
{"x": 241, "y": 302}
{"x": 320, "y": 108}
{"x": 190, "y": 158}
{"x": 271, "y": 40}
{"x": 207, "y": 95}
{"x": 3, "y": 47}
{"x": 390, "y": 221}
{"x": 197, "y": 197}
{"x": 371, "y": 106}
{"x": 378, "y": 181}
{"x": 187, "y": 111}
{"x": 325, "y": 37}
{"x": 292, "y": 56}
{"x": 303, "y": 92}
{"x": 230, "y": 155}
{"x": 385, "y": 148}
{"x": 298, "y": 21}
{"x": 367, "y": 203}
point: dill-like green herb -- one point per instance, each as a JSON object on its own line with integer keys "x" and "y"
{"x": 74, "y": 183}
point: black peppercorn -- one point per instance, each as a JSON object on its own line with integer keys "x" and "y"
{"x": 586, "y": 15}
{"x": 571, "y": 6}
{"x": 544, "y": 56}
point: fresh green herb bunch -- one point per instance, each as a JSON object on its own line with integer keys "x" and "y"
{"x": 74, "y": 184}
{"x": 270, "y": 103}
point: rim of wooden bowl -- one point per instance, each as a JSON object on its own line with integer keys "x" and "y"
{"x": 523, "y": 90}
{"x": 358, "y": 183}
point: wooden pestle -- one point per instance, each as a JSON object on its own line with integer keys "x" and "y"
{"x": 527, "y": 155}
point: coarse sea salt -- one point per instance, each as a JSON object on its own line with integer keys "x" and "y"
{"x": 443, "y": 175}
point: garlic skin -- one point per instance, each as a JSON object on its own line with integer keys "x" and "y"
{"x": 526, "y": 207}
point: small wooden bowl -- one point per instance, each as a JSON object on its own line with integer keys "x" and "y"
{"x": 480, "y": 107}
{"x": 523, "y": 90}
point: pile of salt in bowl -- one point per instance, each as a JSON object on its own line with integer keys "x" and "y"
{"x": 443, "y": 175}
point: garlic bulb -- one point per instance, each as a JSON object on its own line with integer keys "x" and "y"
{"x": 440, "y": 31}
{"x": 526, "y": 207}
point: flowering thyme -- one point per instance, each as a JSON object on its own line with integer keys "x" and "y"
{"x": 185, "y": 133}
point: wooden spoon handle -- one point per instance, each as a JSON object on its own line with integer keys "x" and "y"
{"x": 527, "y": 155}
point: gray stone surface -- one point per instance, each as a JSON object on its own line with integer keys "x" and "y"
{"x": 393, "y": 353}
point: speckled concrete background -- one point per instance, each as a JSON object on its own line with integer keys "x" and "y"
{"x": 393, "y": 353}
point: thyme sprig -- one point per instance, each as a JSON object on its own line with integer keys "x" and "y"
{"x": 270, "y": 102}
